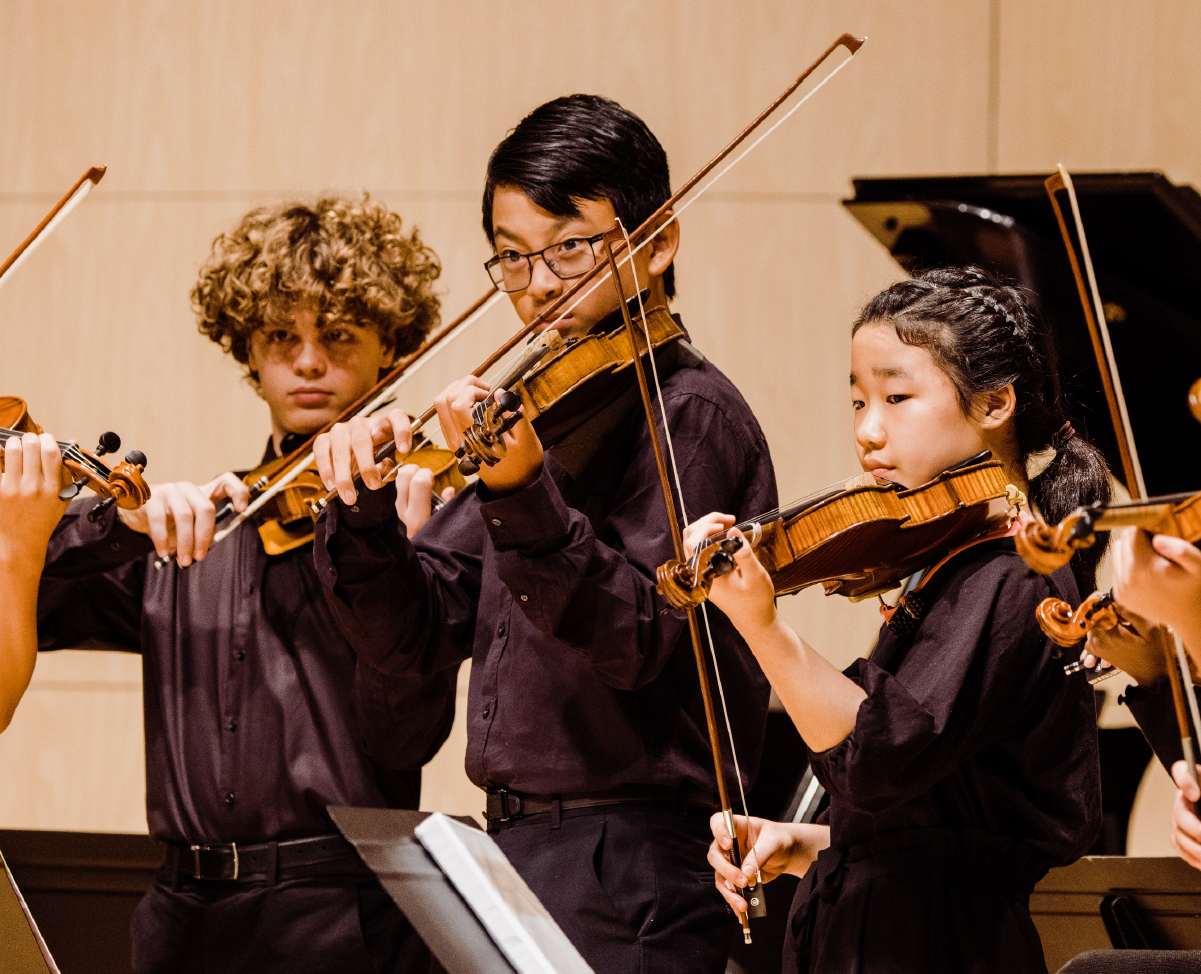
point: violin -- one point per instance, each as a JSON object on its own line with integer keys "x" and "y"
{"x": 576, "y": 380}
{"x": 1045, "y": 548}
{"x": 857, "y": 539}
{"x": 557, "y": 383}
{"x": 122, "y": 485}
{"x": 285, "y": 521}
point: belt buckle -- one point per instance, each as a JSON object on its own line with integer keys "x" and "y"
{"x": 198, "y": 870}
{"x": 502, "y": 806}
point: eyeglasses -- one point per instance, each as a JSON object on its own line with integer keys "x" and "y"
{"x": 566, "y": 259}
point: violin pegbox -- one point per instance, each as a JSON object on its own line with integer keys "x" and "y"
{"x": 1046, "y": 548}
{"x": 483, "y": 441}
{"x": 686, "y": 584}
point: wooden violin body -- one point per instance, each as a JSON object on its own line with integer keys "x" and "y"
{"x": 286, "y": 520}
{"x": 859, "y": 539}
{"x": 559, "y": 388}
{"x": 122, "y": 485}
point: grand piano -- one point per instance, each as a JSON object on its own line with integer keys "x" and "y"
{"x": 1144, "y": 233}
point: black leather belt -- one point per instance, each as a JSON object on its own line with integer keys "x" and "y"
{"x": 231, "y": 862}
{"x": 505, "y": 806}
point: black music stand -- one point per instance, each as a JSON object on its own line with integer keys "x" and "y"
{"x": 1119, "y": 902}
{"x": 384, "y": 838}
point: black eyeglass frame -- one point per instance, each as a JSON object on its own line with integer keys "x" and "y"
{"x": 529, "y": 262}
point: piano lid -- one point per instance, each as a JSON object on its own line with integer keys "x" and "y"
{"x": 1145, "y": 237}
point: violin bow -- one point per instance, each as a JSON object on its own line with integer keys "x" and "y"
{"x": 649, "y": 229}
{"x": 640, "y": 342}
{"x": 1098, "y": 329}
{"x": 72, "y": 199}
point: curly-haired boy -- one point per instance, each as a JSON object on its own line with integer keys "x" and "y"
{"x": 254, "y": 720}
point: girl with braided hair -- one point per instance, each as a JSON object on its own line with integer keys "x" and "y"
{"x": 960, "y": 761}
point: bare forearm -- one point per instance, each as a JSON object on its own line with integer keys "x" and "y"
{"x": 18, "y": 634}
{"x": 821, "y": 701}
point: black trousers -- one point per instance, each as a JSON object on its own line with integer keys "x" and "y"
{"x": 629, "y": 885}
{"x": 347, "y": 925}
{"x": 939, "y": 900}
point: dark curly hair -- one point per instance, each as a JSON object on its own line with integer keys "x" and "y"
{"x": 351, "y": 260}
{"x": 984, "y": 333}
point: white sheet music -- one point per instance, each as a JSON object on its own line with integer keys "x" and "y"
{"x": 509, "y": 911}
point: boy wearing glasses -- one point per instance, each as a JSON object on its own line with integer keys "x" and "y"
{"x": 256, "y": 719}
{"x": 585, "y": 724}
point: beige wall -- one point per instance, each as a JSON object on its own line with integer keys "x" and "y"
{"x": 203, "y": 109}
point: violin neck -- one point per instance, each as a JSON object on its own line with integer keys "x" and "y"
{"x": 1157, "y": 515}
{"x": 6, "y": 434}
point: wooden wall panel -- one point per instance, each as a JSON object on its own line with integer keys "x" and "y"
{"x": 73, "y": 757}
{"x": 298, "y": 94}
{"x": 1100, "y": 86}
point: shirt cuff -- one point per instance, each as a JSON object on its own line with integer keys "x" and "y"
{"x": 371, "y": 510}
{"x": 111, "y": 541}
{"x": 535, "y": 516}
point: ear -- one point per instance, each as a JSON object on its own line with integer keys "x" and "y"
{"x": 664, "y": 247}
{"x": 996, "y": 407}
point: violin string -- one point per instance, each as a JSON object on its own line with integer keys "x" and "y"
{"x": 69, "y": 451}
{"x": 630, "y": 252}
{"x": 679, "y": 484}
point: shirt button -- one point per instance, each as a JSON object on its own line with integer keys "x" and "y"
{"x": 240, "y": 655}
{"x": 115, "y": 545}
{"x": 525, "y": 598}
{"x": 500, "y": 630}
{"x": 229, "y": 798}
{"x": 250, "y": 589}
{"x": 232, "y": 724}
{"x": 487, "y": 711}
{"x": 333, "y": 570}
{"x": 496, "y": 521}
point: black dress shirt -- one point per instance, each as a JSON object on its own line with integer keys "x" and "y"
{"x": 971, "y": 723}
{"x": 251, "y": 693}
{"x": 582, "y": 678}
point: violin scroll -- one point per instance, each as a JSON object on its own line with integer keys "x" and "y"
{"x": 1046, "y": 548}
{"x": 483, "y": 441}
{"x": 1066, "y": 627}
{"x": 686, "y": 585}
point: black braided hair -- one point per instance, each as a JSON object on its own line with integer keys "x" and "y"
{"x": 984, "y": 333}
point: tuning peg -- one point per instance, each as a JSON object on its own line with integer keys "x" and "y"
{"x": 71, "y": 490}
{"x": 137, "y": 458}
{"x": 468, "y": 466}
{"x": 507, "y": 401}
{"x": 110, "y": 442}
{"x": 97, "y": 512}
